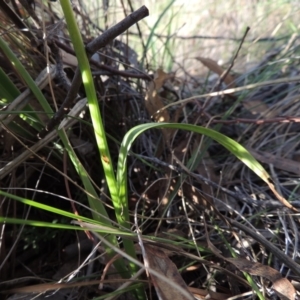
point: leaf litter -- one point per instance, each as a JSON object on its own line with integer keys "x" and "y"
{"x": 180, "y": 181}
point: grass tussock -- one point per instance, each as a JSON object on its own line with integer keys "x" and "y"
{"x": 149, "y": 158}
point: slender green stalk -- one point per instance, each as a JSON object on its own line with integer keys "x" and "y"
{"x": 153, "y": 28}
{"x": 91, "y": 96}
{"x": 8, "y": 91}
{"x": 98, "y": 124}
{"x": 26, "y": 77}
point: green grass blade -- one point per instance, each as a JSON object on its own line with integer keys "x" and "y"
{"x": 26, "y": 77}
{"x": 91, "y": 96}
{"x": 8, "y": 91}
{"x": 95, "y": 227}
{"x": 98, "y": 210}
{"x": 46, "y": 207}
{"x": 153, "y": 28}
{"x": 235, "y": 148}
{"x": 95, "y": 115}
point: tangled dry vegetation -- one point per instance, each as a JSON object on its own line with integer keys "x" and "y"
{"x": 216, "y": 220}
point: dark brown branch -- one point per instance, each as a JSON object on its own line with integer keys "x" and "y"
{"x": 91, "y": 48}
{"x": 111, "y": 70}
{"x": 116, "y": 30}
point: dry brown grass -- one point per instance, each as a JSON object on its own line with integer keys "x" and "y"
{"x": 200, "y": 204}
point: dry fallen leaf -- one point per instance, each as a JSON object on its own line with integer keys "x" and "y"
{"x": 214, "y": 67}
{"x": 159, "y": 261}
{"x": 204, "y": 294}
{"x": 154, "y": 103}
{"x": 283, "y": 288}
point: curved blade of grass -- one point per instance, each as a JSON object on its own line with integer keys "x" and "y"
{"x": 235, "y": 148}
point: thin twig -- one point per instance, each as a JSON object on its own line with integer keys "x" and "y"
{"x": 224, "y": 75}
{"x": 274, "y": 250}
{"x": 232, "y": 91}
{"x": 286, "y": 119}
{"x": 208, "y": 37}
